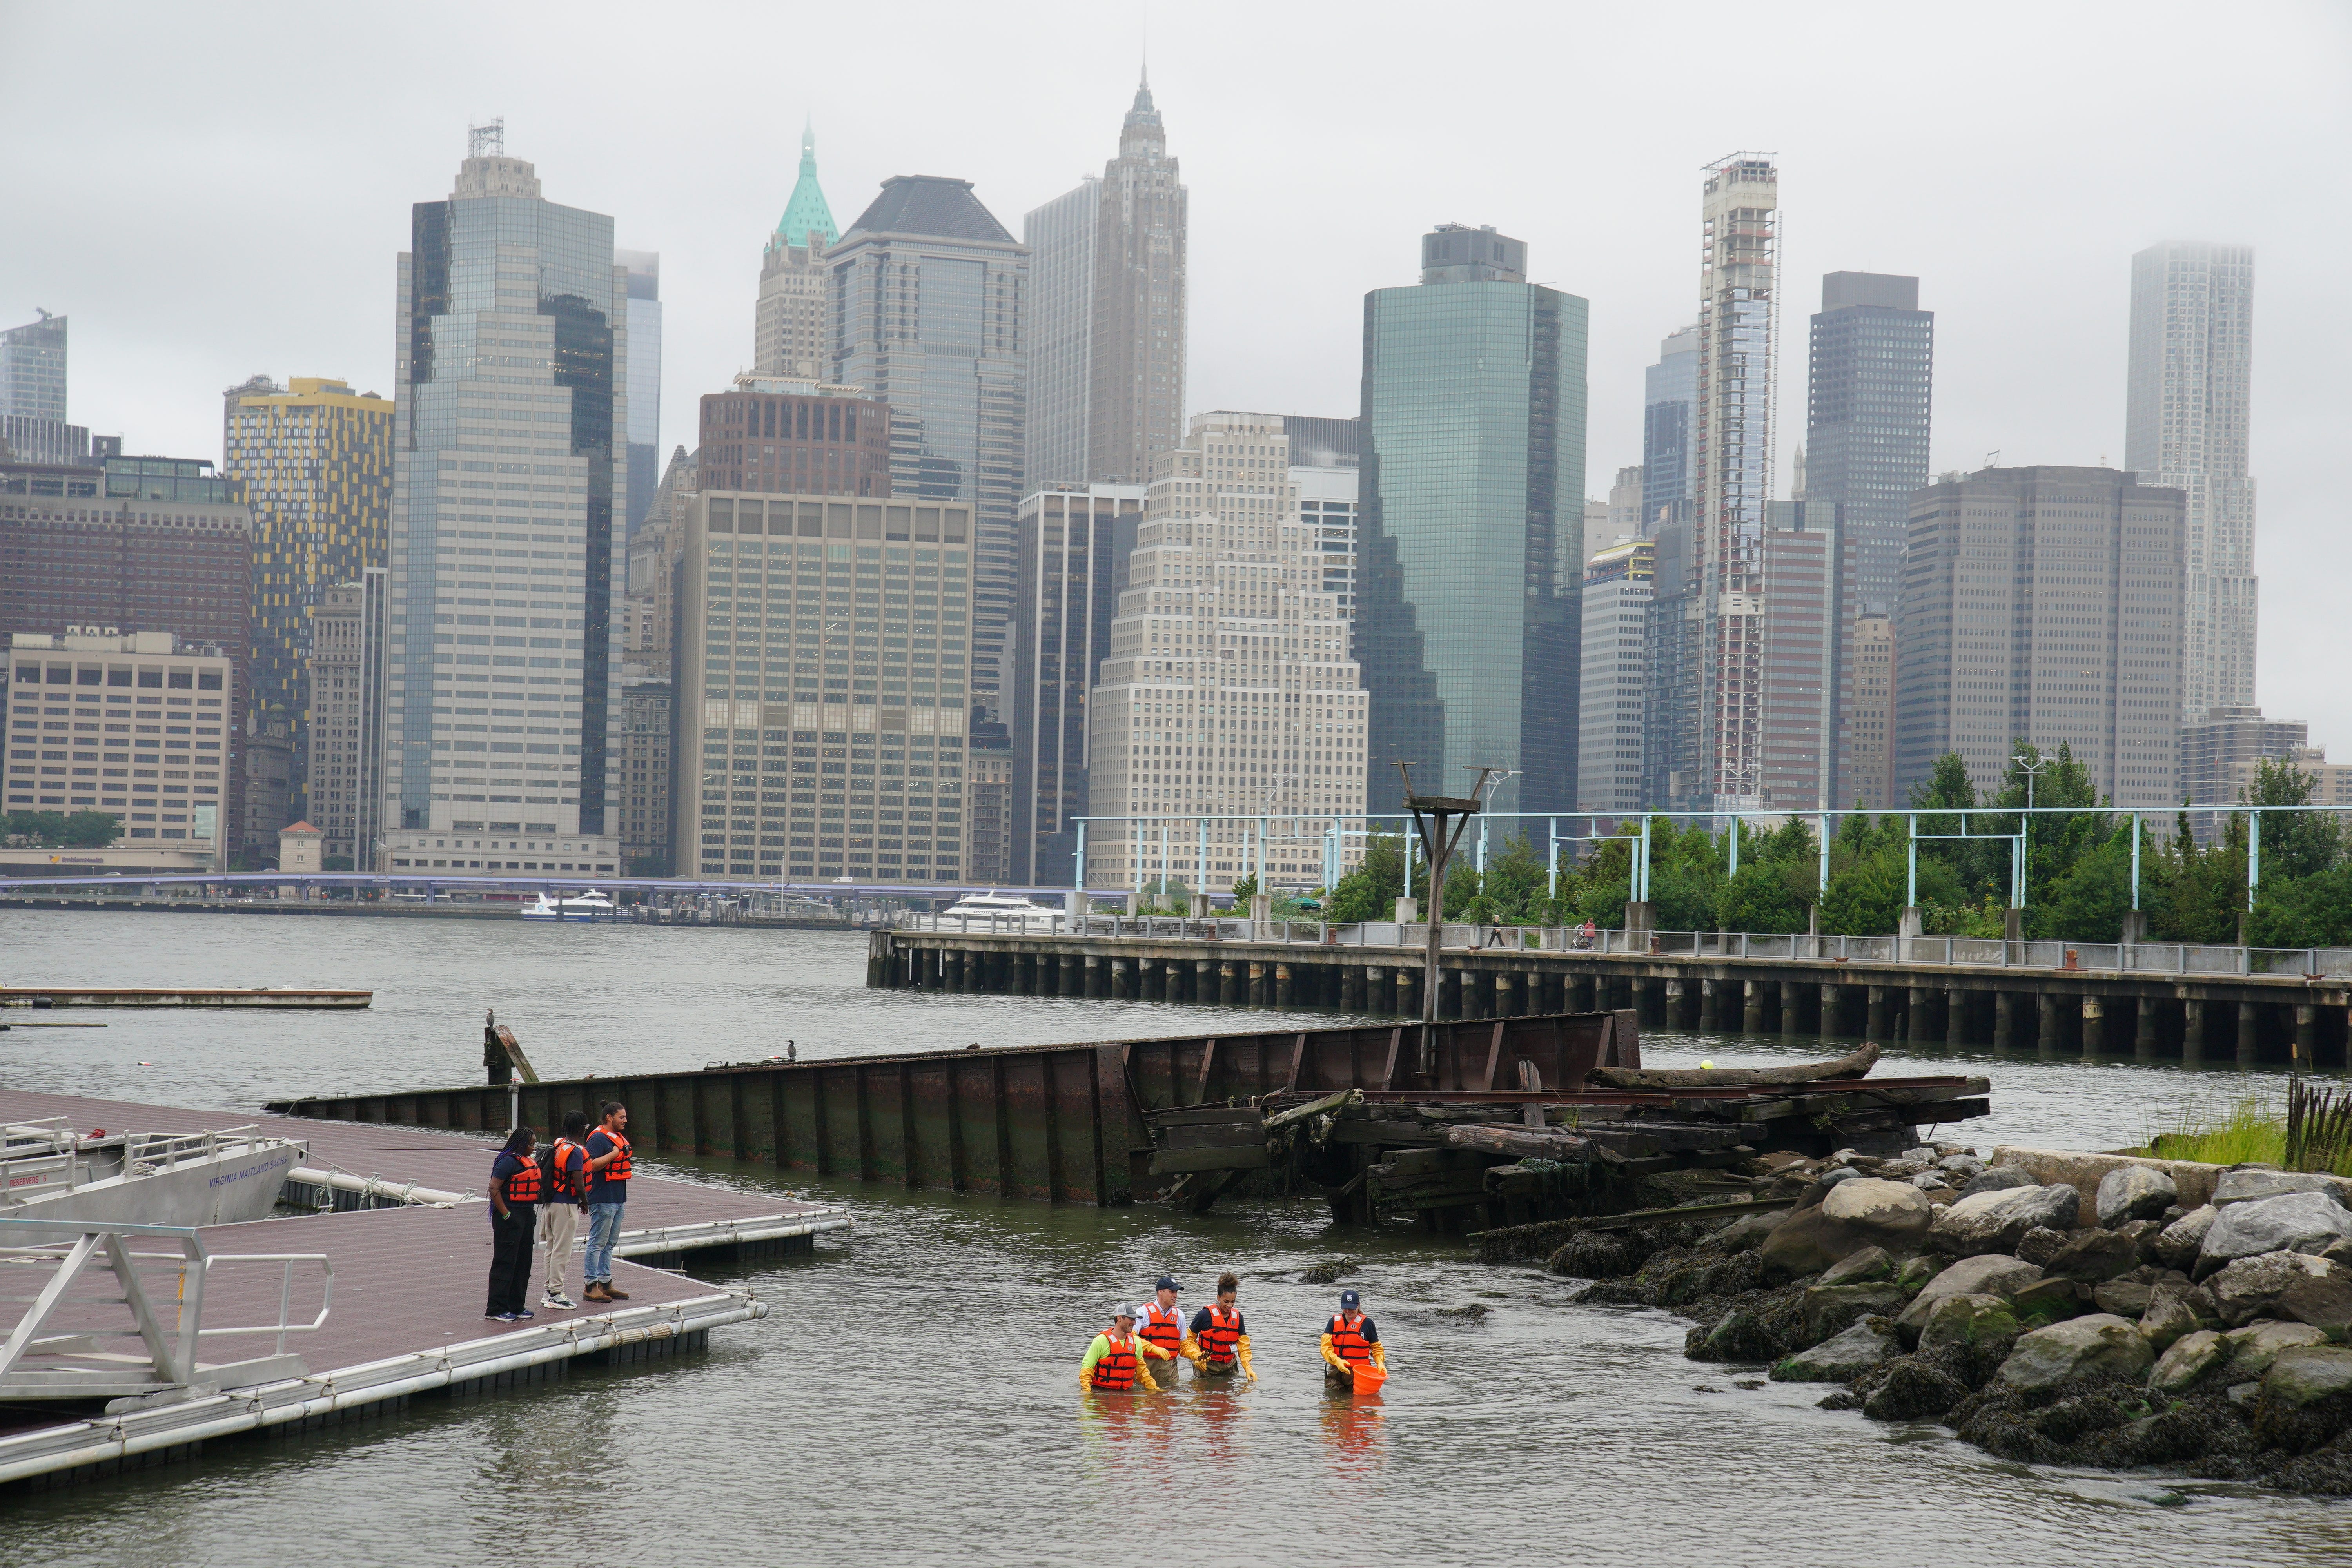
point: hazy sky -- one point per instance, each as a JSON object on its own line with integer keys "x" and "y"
{"x": 213, "y": 190}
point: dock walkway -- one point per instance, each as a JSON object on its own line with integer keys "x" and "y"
{"x": 274, "y": 998}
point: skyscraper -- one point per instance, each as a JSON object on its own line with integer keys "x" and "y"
{"x": 1731, "y": 470}
{"x": 1805, "y": 560}
{"x": 1061, "y": 238}
{"x": 645, "y": 383}
{"x": 342, "y": 739}
{"x": 509, "y": 465}
{"x": 33, "y": 395}
{"x": 928, "y": 300}
{"x": 1474, "y": 399}
{"x": 1670, "y": 692}
{"x": 315, "y": 464}
{"x": 791, "y": 335}
{"x": 2186, "y": 426}
{"x": 1869, "y": 398}
{"x": 1613, "y": 675}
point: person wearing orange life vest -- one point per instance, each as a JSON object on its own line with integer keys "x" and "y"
{"x": 1219, "y": 1343}
{"x": 1350, "y": 1340}
{"x": 1162, "y": 1323}
{"x": 566, "y": 1171}
{"x": 608, "y": 1192}
{"x": 1116, "y": 1360}
{"x": 514, "y": 1191}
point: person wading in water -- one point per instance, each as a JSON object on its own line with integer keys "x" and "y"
{"x": 1114, "y": 1362}
{"x": 1350, "y": 1341}
{"x": 1219, "y": 1343}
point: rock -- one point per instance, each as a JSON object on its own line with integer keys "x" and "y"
{"x": 1961, "y": 1165}
{"x": 1742, "y": 1234}
{"x": 2253, "y": 1186}
{"x": 2244, "y": 1393}
{"x": 1843, "y": 1358}
{"x": 1915, "y": 1389}
{"x": 1922, "y": 1155}
{"x": 1931, "y": 1182}
{"x": 1830, "y": 1309}
{"x": 1890, "y": 1214}
{"x": 1969, "y": 1319}
{"x": 1869, "y": 1265}
{"x": 1987, "y": 1275}
{"x": 2050, "y": 1301}
{"x": 1836, "y": 1174}
{"x": 2099, "y": 1344}
{"x": 2124, "y": 1297}
{"x": 2292, "y": 1221}
{"x": 1741, "y": 1336}
{"x": 2094, "y": 1255}
{"x": 2039, "y": 1244}
{"x": 1808, "y": 1242}
{"x": 2179, "y": 1243}
{"x": 1996, "y": 1221}
{"x": 1594, "y": 1255}
{"x": 1916, "y": 1273}
{"x": 2134, "y": 1192}
{"x": 2165, "y": 1320}
{"x": 2253, "y": 1348}
{"x": 2282, "y": 1285}
{"x": 2189, "y": 1361}
{"x": 1994, "y": 1179}
{"x": 2306, "y": 1398}
{"x": 2142, "y": 1234}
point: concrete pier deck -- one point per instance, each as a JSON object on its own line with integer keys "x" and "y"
{"x": 275, "y": 998}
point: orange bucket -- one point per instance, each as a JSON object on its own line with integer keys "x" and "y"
{"x": 1370, "y": 1377}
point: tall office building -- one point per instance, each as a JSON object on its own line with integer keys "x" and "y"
{"x": 1229, "y": 692}
{"x": 1868, "y": 405}
{"x": 645, "y": 311}
{"x": 316, "y": 464}
{"x": 792, "y": 331}
{"x": 1670, "y": 694}
{"x": 1473, "y": 398}
{"x": 2186, "y": 426}
{"x": 1072, "y": 547}
{"x": 32, "y": 395}
{"x": 863, "y": 776}
{"x": 1807, "y": 560}
{"x": 2221, "y": 752}
{"x": 795, "y": 437}
{"x": 343, "y": 740}
{"x": 1613, "y": 675}
{"x": 1867, "y": 715}
{"x": 1325, "y": 458}
{"x": 647, "y": 728}
{"x": 2043, "y": 604}
{"x": 928, "y": 317}
{"x": 509, "y": 467}
{"x": 1061, "y": 238}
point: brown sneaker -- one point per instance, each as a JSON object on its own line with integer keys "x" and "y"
{"x": 613, "y": 1295}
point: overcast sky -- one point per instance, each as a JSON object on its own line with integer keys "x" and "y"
{"x": 212, "y": 190}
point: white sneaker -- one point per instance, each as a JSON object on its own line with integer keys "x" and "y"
{"x": 559, "y": 1303}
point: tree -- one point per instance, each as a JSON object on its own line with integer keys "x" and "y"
{"x": 1512, "y": 891}
{"x": 57, "y": 830}
{"x": 91, "y": 830}
{"x": 1371, "y": 890}
{"x": 1776, "y": 882}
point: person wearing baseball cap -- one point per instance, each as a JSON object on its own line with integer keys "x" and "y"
{"x": 1163, "y": 1323}
{"x": 1115, "y": 1362}
{"x": 1350, "y": 1340}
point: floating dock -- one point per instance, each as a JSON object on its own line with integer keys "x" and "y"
{"x": 308, "y": 999}
{"x": 410, "y": 1269}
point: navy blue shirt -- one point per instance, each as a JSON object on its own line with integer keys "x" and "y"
{"x": 601, "y": 1191}
{"x": 502, "y": 1170}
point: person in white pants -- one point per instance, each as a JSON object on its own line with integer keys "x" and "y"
{"x": 566, "y": 1204}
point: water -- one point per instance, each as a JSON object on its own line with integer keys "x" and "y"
{"x": 913, "y": 1398}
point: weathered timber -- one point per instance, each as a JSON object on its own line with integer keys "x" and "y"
{"x": 1522, "y": 1144}
{"x": 1219, "y": 1157}
{"x": 1853, "y": 1066}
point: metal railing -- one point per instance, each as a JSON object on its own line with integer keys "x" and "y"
{"x": 166, "y": 1309}
{"x": 47, "y": 1157}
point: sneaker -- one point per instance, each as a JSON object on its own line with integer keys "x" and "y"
{"x": 518, "y": 1317}
{"x": 501, "y": 1317}
{"x": 559, "y": 1303}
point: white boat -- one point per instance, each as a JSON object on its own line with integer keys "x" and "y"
{"x": 221, "y": 1177}
{"x": 995, "y": 903}
{"x": 585, "y": 905}
{"x": 995, "y": 912}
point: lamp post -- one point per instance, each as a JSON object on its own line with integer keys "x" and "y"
{"x": 1438, "y": 822}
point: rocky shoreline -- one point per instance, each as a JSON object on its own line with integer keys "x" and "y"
{"x": 2103, "y": 1321}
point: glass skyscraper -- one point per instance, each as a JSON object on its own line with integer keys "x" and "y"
{"x": 645, "y": 312}
{"x": 509, "y": 457}
{"x": 1873, "y": 353}
{"x": 1473, "y": 496}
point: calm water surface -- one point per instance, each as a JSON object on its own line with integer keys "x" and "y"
{"x": 913, "y": 1398}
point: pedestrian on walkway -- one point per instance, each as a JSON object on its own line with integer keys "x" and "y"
{"x": 608, "y": 1192}
{"x": 566, "y": 1171}
{"x": 514, "y": 1193}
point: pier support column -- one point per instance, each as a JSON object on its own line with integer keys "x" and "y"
{"x": 1149, "y": 982}
{"x": 1875, "y": 1025}
{"x": 1915, "y": 1022}
{"x": 2144, "y": 1029}
{"x": 1229, "y": 986}
{"x": 2095, "y": 1026}
{"x": 1408, "y": 994}
{"x": 1097, "y": 976}
{"x": 958, "y": 965}
{"x": 1122, "y": 980}
{"x": 2004, "y": 1020}
{"x": 1792, "y": 1011}
{"x": 1352, "y": 988}
{"x": 1449, "y": 993}
{"x": 1831, "y": 1009}
{"x": 1751, "y": 1007}
{"x": 2047, "y": 1039}
{"x": 1506, "y": 995}
{"x": 1956, "y": 1016}
{"x": 1710, "y": 1004}
{"x": 2247, "y": 1021}
{"x": 1581, "y": 994}
{"x": 2306, "y": 1036}
{"x": 1641, "y": 994}
{"x": 2192, "y": 1030}
{"x": 1254, "y": 984}
{"x": 1379, "y": 991}
{"x": 1072, "y": 978}
{"x": 1284, "y": 980}
{"x": 1676, "y": 999}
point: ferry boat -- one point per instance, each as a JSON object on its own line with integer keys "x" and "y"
{"x": 997, "y": 912}
{"x": 49, "y": 1172}
{"x": 585, "y": 905}
{"x": 995, "y": 903}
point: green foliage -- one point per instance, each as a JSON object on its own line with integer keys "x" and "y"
{"x": 1779, "y": 878}
{"x": 1370, "y": 892}
{"x": 1166, "y": 895}
{"x": 1512, "y": 891}
{"x": 57, "y": 830}
{"x": 1245, "y": 890}
{"x": 336, "y": 863}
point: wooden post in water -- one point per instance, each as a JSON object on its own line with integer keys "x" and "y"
{"x": 1438, "y": 821}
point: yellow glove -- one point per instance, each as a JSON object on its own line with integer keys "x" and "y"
{"x": 1143, "y": 1375}
{"x": 1193, "y": 1353}
{"x": 1380, "y": 1356}
{"x": 1241, "y": 1349}
{"x": 1337, "y": 1363}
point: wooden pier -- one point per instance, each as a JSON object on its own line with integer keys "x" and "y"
{"x": 272, "y": 997}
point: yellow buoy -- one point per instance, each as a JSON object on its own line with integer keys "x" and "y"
{"x": 1707, "y": 1067}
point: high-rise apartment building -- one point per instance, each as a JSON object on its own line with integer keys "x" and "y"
{"x": 1229, "y": 691}
{"x": 793, "y": 330}
{"x": 510, "y": 473}
{"x": 2043, "y": 604}
{"x": 645, "y": 312}
{"x": 1869, "y": 403}
{"x": 33, "y": 369}
{"x": 1731, "y": 474}
{"x": 646, "y": 727}
{"x": 1473, "y": 398}
{"x": 2186, "y": 426}
{"x": 1807, "y": 559}
{"x": 1866, "y": 722}
{"x": 343, "y": 740}
{"x": 1613, "y": 675}
{"x": 927, "y": 292}
{"x": 1061, "y": 238}
{"x": 316, "y": 464}
{"x": 1072, "y": 548}
{"x": 864, "y": 776}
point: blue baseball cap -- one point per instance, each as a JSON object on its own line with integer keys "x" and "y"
{"x": 1349, "y": 1298}
{"x": 1167, "y": 1284}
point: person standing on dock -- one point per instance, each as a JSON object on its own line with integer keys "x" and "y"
{"x": 1219, "y": 1343}
{"x": 1163, "y": 1323}
{"x": 514, "y": 1193}
{"x": 566, "y": 1173}
{"x": 608, "y": 1192}
{"x": 1350, "y": 1340}
{"x": 1115, "y": 1362}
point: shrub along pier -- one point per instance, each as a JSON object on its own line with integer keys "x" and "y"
{"x": 2287, "y": 1018}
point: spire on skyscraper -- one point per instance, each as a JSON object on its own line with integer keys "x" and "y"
{"x": 807, "y": 213}
{"x": 1143, "y": 112}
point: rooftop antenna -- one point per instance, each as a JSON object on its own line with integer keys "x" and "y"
{"x": 487, "y": 141}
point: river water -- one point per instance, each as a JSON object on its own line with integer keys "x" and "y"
{"x": 913, "y": 1396}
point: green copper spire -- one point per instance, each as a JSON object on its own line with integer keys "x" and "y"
{"x": 807, "y": 212}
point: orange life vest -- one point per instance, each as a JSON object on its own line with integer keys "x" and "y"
{"x": 523, "y": 1184}
{"x": 568, "y": 1170}
{"x": 618, "y": 1171}
{"x": 1164, "y": 1327}
{"x": 1225, "y": 1330}
{"x": 1116, "y": 1368}
{"x": 1348, "y": 1338}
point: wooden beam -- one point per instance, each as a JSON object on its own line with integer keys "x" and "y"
{"x": 1297, "y": 1062}
{"x": 1208, "y": 1064}
{"x": 1494, "y": 1055}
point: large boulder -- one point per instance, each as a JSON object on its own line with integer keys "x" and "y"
{"x": 2291, "y": 1222}
{"x": 2167, "y": 1321}
{"x": 2247, "y": 1186}
{"x": 1915, "y": 1388}
{"x": 2135, "y": 1192}
{"x": 1743, "y": 1234}
{"x": 2189, "y": 1361}
{"x": 1843, "y": 1358}
{"x": 1997, "y": 1221}
{"x": 1998, "y": 1178}
{"x": 2251, "y": 1350}
{"x": 1972, "y": 1320}
{"x": 1988, "y": 1274}
{"x": 2124, "y": 1297}
{"x": 2306, "y": 1398}
{"x": 1868, "y": 1266}
{"x": 2177, "y": 1244}
{"x": 2293, "y": 1285}
{"x": 1893, "y": 1214}
{"x": 2051, "y": 1301}
{"x": 2091, "y": 1255}
{"x": 1830, "y": 1309}
{"x": 2098, "y": 1344}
